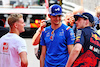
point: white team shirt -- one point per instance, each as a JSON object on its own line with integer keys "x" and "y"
{"x": 10, "y": 46}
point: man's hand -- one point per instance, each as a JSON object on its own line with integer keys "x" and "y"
{"x": 42, "y": 24}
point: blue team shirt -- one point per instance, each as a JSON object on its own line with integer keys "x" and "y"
{"x": 90, "y": 52}
{"x": 56, "y": 44}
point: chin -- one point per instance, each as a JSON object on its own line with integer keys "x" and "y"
{"x": 22, "y": 31}
{"x": 57, "y": 23}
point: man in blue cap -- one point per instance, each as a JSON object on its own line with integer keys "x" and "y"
{"x": 86, "y": 52}
{"x": 57, "y": 40}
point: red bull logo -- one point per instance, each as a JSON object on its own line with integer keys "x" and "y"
{"x": 95, "y": 36}
{"x": 95, "y": 39}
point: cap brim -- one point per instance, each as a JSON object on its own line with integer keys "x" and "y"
{"x": 77, "y": 16}
{"x": 55, "y": 14}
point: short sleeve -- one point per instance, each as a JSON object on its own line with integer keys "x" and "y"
{"x": 22, "y": 46}
{"x": 42, "y": 41}
{"x": 70, "y": 36}
{"x": 79, "y": 37}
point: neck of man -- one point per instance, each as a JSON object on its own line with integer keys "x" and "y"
{"x": 14, "y": 31}
{"x": 87, "y": 26}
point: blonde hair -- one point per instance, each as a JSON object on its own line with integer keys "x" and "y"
{"x": 13, "y": 18}
{"x": 78, "y": 9}
{"x": 97, "y": 11}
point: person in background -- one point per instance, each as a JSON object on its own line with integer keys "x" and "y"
{"x": 13, "y": 50}
{"x": 97, "y": 11}
{"x": 3, "y": 30}
{"x": 77, "y": 10}
{"x": 37, "y": 35}
{"x": 87, "y": 43}
{"x": 80, "y": 10}
{"x": 98, "y": 29}
{"x": 96, "y": 22}
{"x": 57, "y": 40}
{"x": 69, "y": 19}
{"x": 36, "y": 39}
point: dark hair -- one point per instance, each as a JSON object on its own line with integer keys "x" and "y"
{"x": 1, "y": 23}
{"x": 97, "y": 27}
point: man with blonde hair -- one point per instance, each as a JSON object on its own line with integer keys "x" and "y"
{"x": 13, "y": 51}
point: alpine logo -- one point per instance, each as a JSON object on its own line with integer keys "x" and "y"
{"x": 58, "y": 9}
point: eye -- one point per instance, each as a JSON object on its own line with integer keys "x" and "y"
{"x": 59, "y": 15}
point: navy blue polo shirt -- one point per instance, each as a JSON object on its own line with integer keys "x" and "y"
{"x": 90, "y": 52}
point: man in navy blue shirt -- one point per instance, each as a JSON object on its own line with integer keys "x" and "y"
{"x": 3, "y": 30}
{"x": 86, "y": 52}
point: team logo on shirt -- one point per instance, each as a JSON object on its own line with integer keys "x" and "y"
{"x": 95, "y": 36}
{"x": 48, "y": 34}
{"x": 77, "y": 39}
{"x": 95, "y": 39}
{"x": 86, "y": 60}
{"x": 78, "y": 33}
{"x": 61, "y": 33}
{"x": 5, "y": 47}
{"x": 97, "y": 50}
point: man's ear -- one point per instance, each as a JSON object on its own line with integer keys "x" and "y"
{"x": 15, "y": 25}
{"x": 87, "y": 22}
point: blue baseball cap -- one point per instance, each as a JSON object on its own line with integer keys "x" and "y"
{"x": 85, "y": 16}
{"x": 55, "y": 10}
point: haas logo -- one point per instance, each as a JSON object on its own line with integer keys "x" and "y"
{"x": 5, "y": 47}
{"x": 58, "y": 9}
